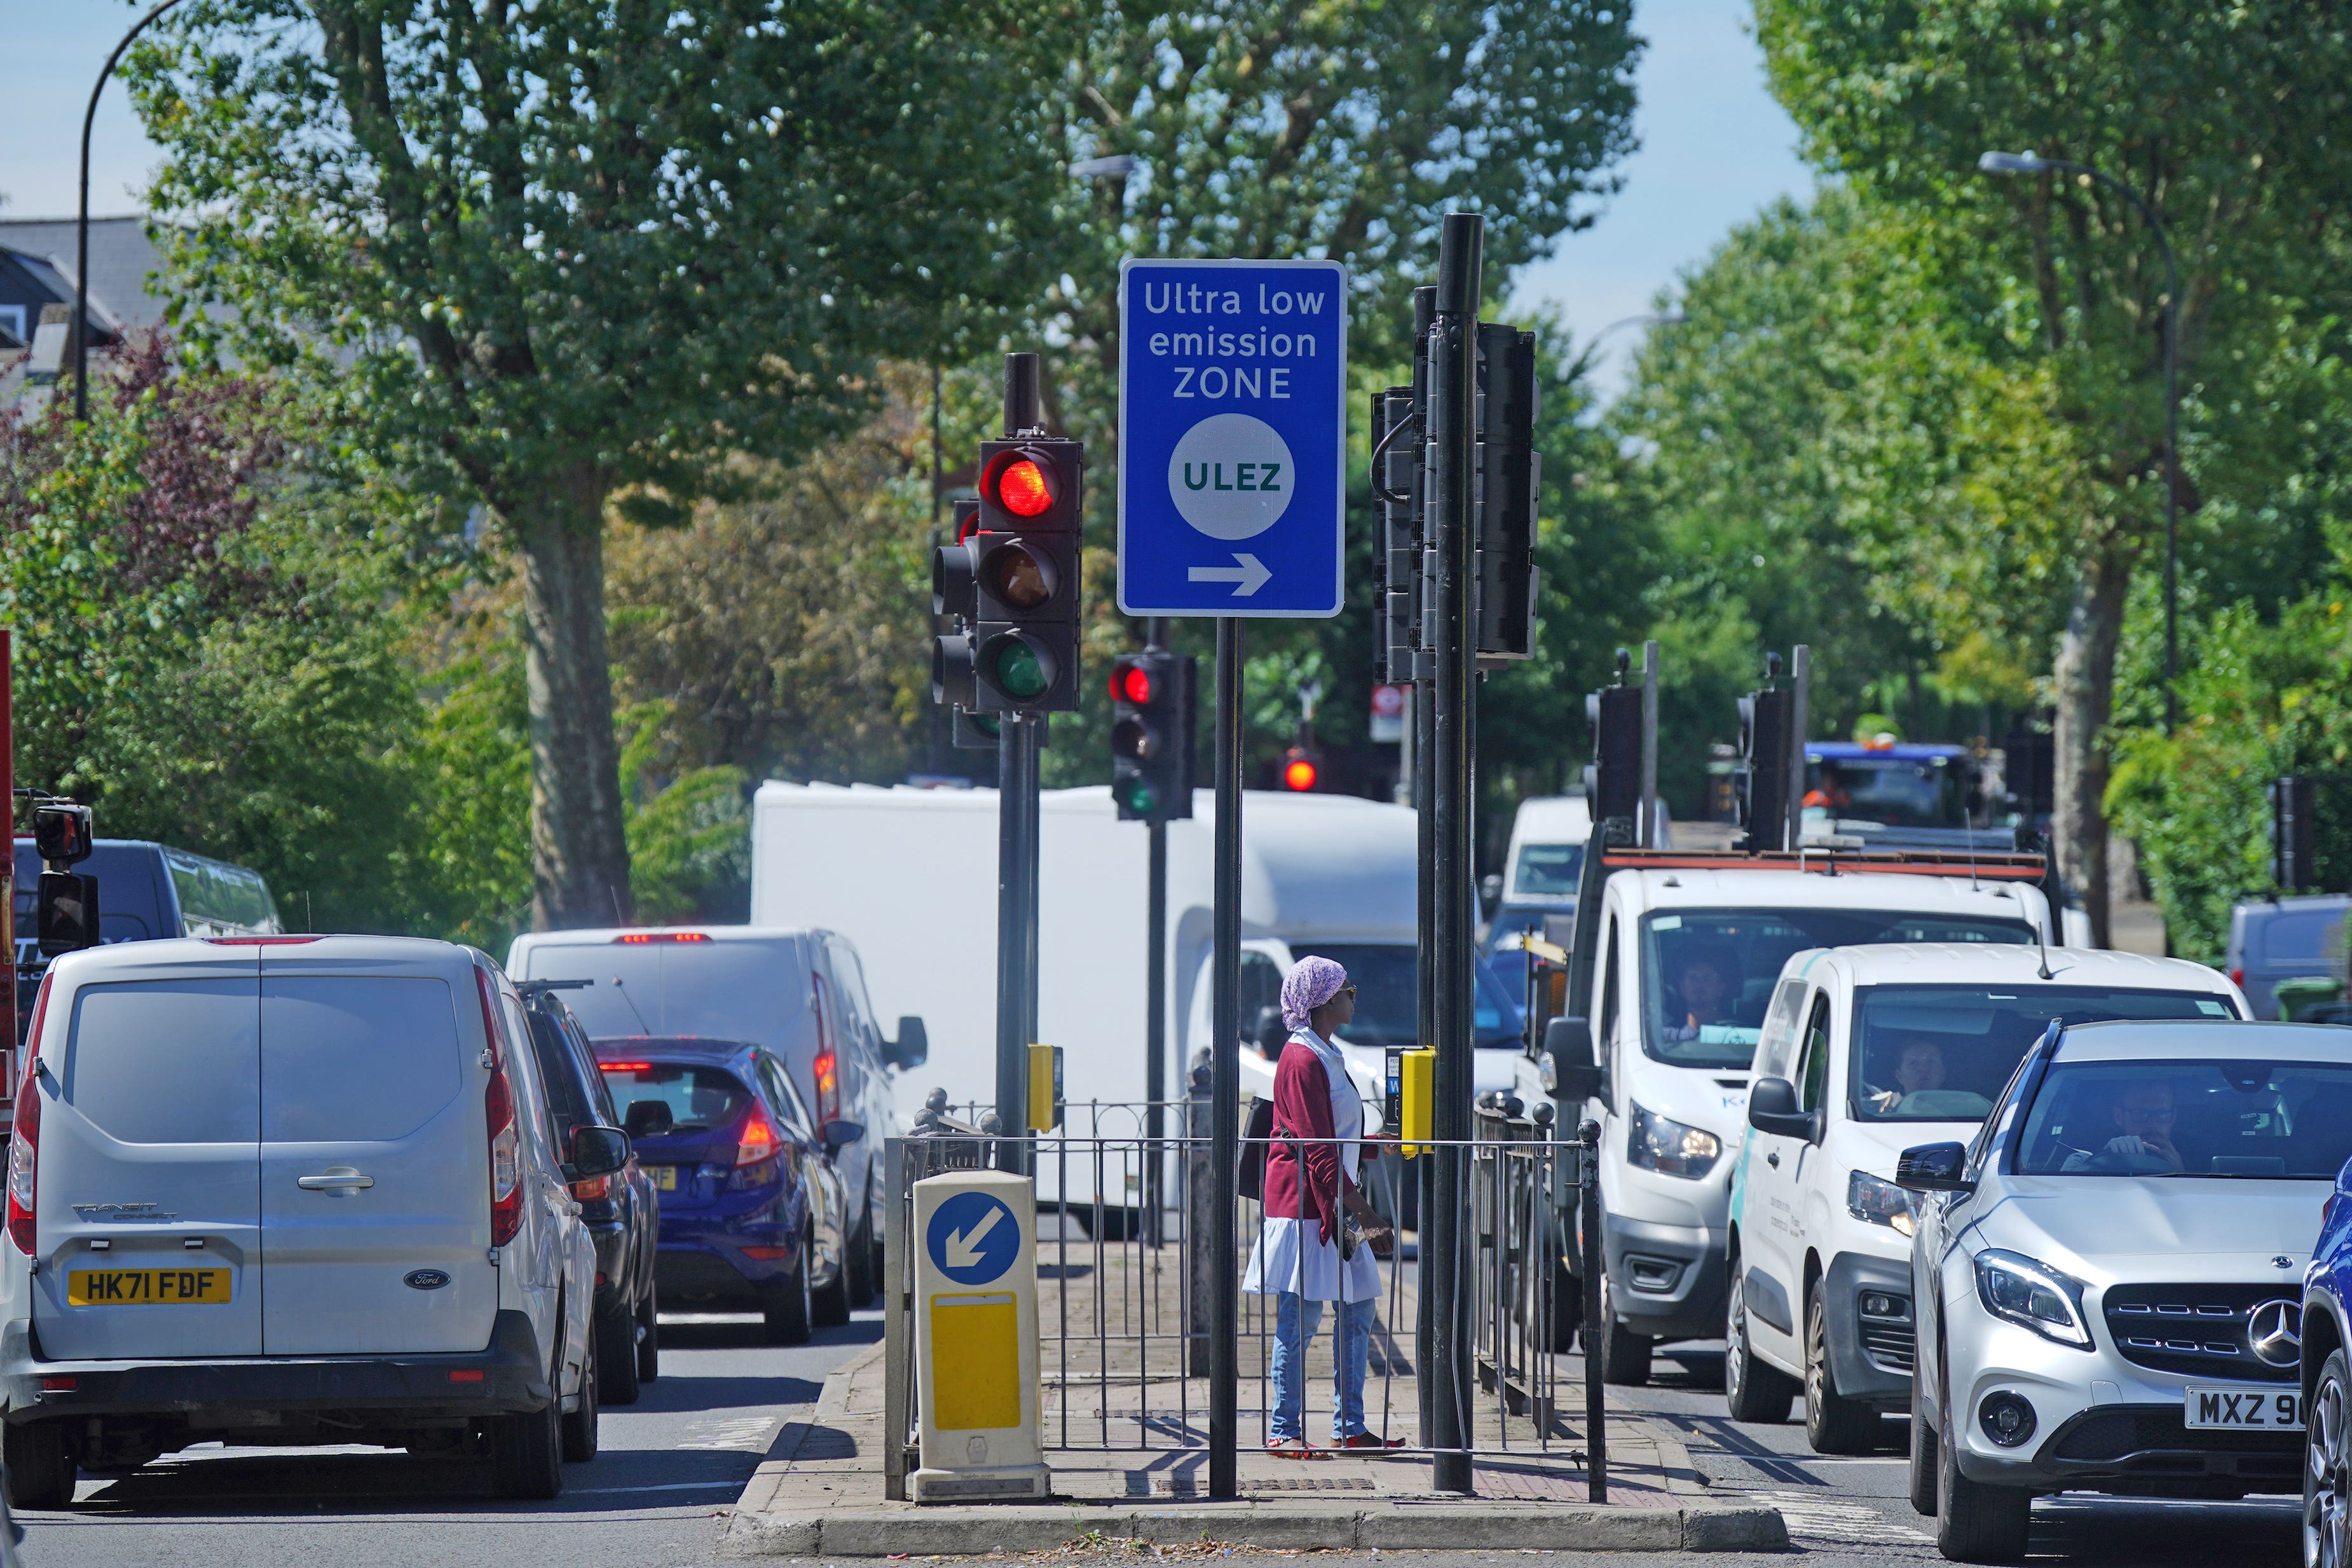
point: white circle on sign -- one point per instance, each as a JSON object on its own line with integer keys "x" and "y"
{"x": 1231, "y": 476}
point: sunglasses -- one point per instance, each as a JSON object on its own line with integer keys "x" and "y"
{"x": 1347, "y": 991}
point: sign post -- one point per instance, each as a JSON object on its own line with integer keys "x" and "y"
{"x": 1233, "y": 486}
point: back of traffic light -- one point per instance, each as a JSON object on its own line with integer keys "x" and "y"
{"x": 1763, "y": 776}
{"x": 1152, "y": 736}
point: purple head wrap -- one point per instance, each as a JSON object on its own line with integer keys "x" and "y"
{"x": 1312, "y": 981}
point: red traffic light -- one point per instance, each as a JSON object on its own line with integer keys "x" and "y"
{"x": 1022, "y": 484}
{"x": 1131, "y": 684}
{"x": 1299, "y": 773}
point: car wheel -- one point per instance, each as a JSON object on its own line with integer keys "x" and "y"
{"x": 1625, "y": 1355}
{"x": 579, "y": 1424}
{"x": 1976, "y": 1523}
{"x": 648, "y": 1339}
{"x": 527, "y": 1453}
{"x": 1754, "y": 1389}
{"x": 1833, "y": 1423}
{"x": 617, "y": 1355}
{"x": 2326, "y": 1468}
{"x": 1923, "y": 1452}
{"x": 40, "y": 1466}
{"x": 788, "y": 1307}
{"x": 832, "y": 1299}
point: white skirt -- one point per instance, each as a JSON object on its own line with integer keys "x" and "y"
{"x": 1291, "y": 1257}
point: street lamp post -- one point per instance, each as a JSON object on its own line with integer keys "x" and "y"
{"x": 2030, "y": 163}
{"x": 82, "y": 221}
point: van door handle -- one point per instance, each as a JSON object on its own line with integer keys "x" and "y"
{"x": 341, "y": 1180}
{"x": 1773, "y": 1159}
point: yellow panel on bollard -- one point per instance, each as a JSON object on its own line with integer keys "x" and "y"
{"x": 976, "y": 1339}
{"x": 1044, "y": 1088}
{"x": 1417, "y": 1094}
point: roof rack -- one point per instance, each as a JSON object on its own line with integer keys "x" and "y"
{"x": 1979, "y": 866}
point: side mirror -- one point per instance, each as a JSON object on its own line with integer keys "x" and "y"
{"x": 913, "y": 1046}
{"x": 1772, "y": 1108}
{"x": 61, "y": 833}
{"x": 65, "y": 913}
{"x": 1490, "y": 890}
{"x": 1273, "y": 1034}
{"x": 1568, "y": 1072}
{"x": 1933, "y": 1168}
{"x": 648, "y": 1118}
{"x": 597, "y": 1151}
{"x": 839, "y": 1135}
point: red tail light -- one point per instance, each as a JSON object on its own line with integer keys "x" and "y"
{"x": 594, "y": 1189}
{"x": 24, "y": 1139}
{"x": 758, "y": 1141}
{"x": 259, "y": 941}
{"x": 2237, "y": 979}
{"x": 827, "y": 1069}
{"x": 639, "y": 938}
{"x": 506, "y": 1139}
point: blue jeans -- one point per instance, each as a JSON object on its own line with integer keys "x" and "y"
{"x": 1295, "y": 1322}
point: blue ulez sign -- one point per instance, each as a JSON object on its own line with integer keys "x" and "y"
{"x": 1233, "y": 443}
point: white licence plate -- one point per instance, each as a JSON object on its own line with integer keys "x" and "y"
{"x": 2235, "y": 1407}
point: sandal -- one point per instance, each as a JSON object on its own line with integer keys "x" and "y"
{"x": 1367, "y": 1440}
{"x": 1293, "y": 1448}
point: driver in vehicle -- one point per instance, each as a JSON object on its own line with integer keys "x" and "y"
{"x": 1919, "y": 1070}
{"x": 1707, "y": 976}
{"x": 2144, "y": 1121}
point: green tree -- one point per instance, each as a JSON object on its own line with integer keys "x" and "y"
{"x": 2223, "y": 119}
{"x": 567, "y": 260}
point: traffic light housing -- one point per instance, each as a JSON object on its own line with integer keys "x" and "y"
{"x": 1613, "y": 785}
{"x": 1022, "y": 563}
{"x": 1151, "y": 711}
{"x": 1301, "y": 770}
{"x": 1509, "y": 471}
{"x": 1396, "y": 562}
{"x": 955, "y": 599}
{"x": 1764, "y": 768}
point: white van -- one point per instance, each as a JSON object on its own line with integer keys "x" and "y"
{"x": 289, "y": 1190}
{"x": 1867, "y": 1052}
{"x": 1688, "y": 950}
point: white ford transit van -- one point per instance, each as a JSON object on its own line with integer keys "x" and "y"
{"x": 291, "y": 1190}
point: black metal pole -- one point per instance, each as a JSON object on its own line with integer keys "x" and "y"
{"x": 79, "y": 328}
{"x": 1155, "y": 988}
{"x": 1596, "y": 1428}
{"x": 1424, "y": 749}
{"x": 1225, "y": 1072}
{"x": 1016, "y": 760}
{"x": 1451, "y": 348}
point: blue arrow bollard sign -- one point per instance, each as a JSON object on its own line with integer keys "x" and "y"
{"x": 1233, "y": 446}
{"x": 973, "y": 1238}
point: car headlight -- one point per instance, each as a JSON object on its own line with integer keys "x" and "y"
{"x": 2032, "y": 1295}
{"x": 1669, "y": 1148}
{"x": 1876, "y": 1202}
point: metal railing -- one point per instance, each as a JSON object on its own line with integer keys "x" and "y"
{"x": 1124, "y": 1302}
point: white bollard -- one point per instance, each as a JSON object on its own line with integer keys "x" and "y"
{"x": 976, "y": 1338}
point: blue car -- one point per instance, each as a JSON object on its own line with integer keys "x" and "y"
{"x": 754, "y": 1213}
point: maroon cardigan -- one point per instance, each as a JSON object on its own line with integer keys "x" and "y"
{"x": 1302, "y": 1106}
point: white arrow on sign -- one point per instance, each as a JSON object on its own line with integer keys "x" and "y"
{"x": 963, "y": 1248}
{"x": 1248, "y": 577}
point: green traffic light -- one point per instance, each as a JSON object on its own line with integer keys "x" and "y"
{"x": 1021, "y": 673}
{"x": 1143, "y": 798}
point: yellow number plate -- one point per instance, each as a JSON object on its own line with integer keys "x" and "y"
{"x": 146, "y": 1287}
{"x": 664, "y": 1177}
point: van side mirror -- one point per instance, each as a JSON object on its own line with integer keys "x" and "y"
{"x": 1570, "y": 1072}
{"x": 839, "y": 1135}
{"x": 913, "y": 1046}
{"x": 1772, "y": 1108}
{"x": 65, "y": 913}
{"x": 1490, "y": 891}
{"x": 1273, "y": 1034}
{"x": 648, "y": 1118}
{"x": 596, "y": 1151}
{"x": 1933, "y": 1168}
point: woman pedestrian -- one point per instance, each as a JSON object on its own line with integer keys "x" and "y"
{"x": 1316, "y": 1232}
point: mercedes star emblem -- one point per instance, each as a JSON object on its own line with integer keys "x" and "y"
{"x": 2282, "y": 1261}
{"x": 2274, "y": 1332}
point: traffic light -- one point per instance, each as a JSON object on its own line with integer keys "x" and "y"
{"x": 1509, "y": 471}
{"x": 1151, "y": 737}
{"x": 1301, "y": 769}
{"x": 1613, "y": 785}
{"x": 1023, "y": 561}
{"x": 1396, "y": 562}
{"x": 955, "y": 598}
{"x": 1764, "y": 765}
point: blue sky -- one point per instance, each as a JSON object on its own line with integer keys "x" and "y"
{"x": 1715, "y": 148}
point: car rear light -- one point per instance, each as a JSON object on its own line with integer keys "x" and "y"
{"x": 826, "y": 1071}
{"x": 769, "y": 1254}
{"x": 595, "y": 1189}
{"x": 2238, "y": 978}
{"x": 506, "y": 1139}
{"x": 627, "y": 1066}
{"x": 259, "y": 941}
{"x": 758, "y": 1139}
{"x": 467, "y": 1374}
{"x": 59, "y": 1384}
{"x": 639, "y": 938}
{"x": 24, "y": 1139}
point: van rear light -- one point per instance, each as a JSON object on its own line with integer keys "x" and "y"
{"x": 595, "y": 1189}
{"x": 506, "y": 1139}
{"x": 826, "y": 1071}
{"x": 259, "y": 941}
{"x": 2238, "y": 978}
{"x": 59, "y": 1384}
{"x": 758, "y": 1141}
{"x": 24, "y": 1139}
{"x": 640, "y": 938}
{"x": 627, "y": 1066}
{"x": 467, "y": 1374}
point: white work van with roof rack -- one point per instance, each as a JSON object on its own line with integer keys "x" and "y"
{"x": 1866, "y": 1052}
{"x": 1680, "y": 953}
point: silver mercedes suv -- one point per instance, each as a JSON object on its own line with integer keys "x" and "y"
{"x": 2110, "y": 1276}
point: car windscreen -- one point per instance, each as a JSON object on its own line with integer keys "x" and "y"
{"x": 1547, "y": 871}
{"x": 1942, "y": 1053}
{"x": 1382, "y": 974}
{"x": 2190, "y": 1118}
{"x": 1707, "y": 973}
{"x": 752, "y": 992}
{"x": 1902, "y": 792}
{"x": 701, "y": 1099}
